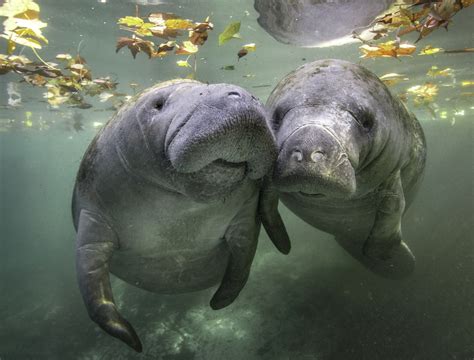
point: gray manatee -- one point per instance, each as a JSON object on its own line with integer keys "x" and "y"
{"x": 166, "y": 197}
{"x": 350, "y": 161}
{"x": 312, "y": 23}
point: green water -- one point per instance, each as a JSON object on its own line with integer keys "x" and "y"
{"x": 317, "y": 302}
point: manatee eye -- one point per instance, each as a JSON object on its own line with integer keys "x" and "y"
{"x": 159, "y": 104}
{"x": 367, "y": 122}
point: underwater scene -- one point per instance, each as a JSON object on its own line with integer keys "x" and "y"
{"x": 239, "y": 180}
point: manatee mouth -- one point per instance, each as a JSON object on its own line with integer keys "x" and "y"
{"x": 236, "y": 138}
{"x": 239, "y": 168}
{"x": 215, "y": 180}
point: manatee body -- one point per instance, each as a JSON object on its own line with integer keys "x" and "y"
{"x": 350, "y": 160}
{"x": 166, "y": 197}
{"x": 312, "y": 23}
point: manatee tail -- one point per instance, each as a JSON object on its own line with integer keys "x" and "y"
{"x": 271, "y": 219}
{"x": 398, "y": 262}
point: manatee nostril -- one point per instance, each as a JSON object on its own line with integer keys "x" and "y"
{"x": 317, "y": 155}
{"x": 297, "y": 155}
{"x": 233, "y": 94}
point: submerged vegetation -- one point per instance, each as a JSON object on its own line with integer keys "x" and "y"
{"x": 67, "y": 79}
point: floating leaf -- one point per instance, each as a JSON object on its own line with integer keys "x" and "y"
{"x": 12, "y": 8}
{"x": 164, "y": 49}
{"x": 387, "y": 49}
{"x": 105, "y": 96}
{"x": 228, "y": 67}
{"x": 199, "y": 34}
{"x": 242, "y": 52}
{"x": 429, "y": 50}
{"x": 424, "y": 94}
{"x": 250, "y": 47}
{"x": 186, "y": 48}
{"x": 64, "y": 57}
{"x": 179, "y": 24}
{"x": 230, "y": 32}
{"x": 136, "y": 45}
{"x": 183, "y": 63}
{"x": 435, "y": 72}
{"x": 161, "y": 17}
{"x": 465, "y": 83}
{"x": 35, "y": 79}
{"x": 393, "y": 78}
{"x": 20, "y": 40}
{"x": 131, "y": 21}
{"x": 160, "y": 29}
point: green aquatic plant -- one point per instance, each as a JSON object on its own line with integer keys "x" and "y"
{"x": 230, "y": 32}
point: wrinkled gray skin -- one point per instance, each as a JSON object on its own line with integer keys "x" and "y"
{"x": 350, "y": 160}
{"x": 310, "y": 23}
{"x": 166, "y": 197}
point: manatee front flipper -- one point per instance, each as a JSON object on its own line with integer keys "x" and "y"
{"x": 94, "y": 247}
{"x": 271, "y": 219}
{"x": 390, "y": 256}
{"x": 242, "y": 238}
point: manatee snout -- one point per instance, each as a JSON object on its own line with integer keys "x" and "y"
{"x": 226, "y": 127}
{"x": 314, "y": 160}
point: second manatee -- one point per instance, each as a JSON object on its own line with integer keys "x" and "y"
{"x": 351, "y": 158}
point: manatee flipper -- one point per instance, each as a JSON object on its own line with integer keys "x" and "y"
{"x": 390, "y": 255}
{"x": 271, "y": 219}
{"x": 94, "y": 247}
{"x": 242, "y": 238}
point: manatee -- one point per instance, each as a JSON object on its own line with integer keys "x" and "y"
{"x": 315, "y": 23}
{"x": 351, "y": 158}
{"x": 166, "y": 197}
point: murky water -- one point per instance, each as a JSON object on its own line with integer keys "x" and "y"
{"x": 317, "y": 302}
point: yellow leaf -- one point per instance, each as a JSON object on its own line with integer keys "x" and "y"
{"x": 64, "y": 57}
{"x": 179, "y": 24}
{"x": 231, "y": 31}
{"x": 387, "y": 49}
{"x": 187, "y": 48}
{"x": 429, "y": 50}
{"x": 183, "y": 63}
{"x": 105, "y": 96}
{"x": 32, "y": 33}
{"x": 143, "y": 31}
{"x": 21, "y": 40}
{"x": 393, "y": 78}
{"x": 250, "y": 47}
{"x": 35, "y": 26}
{"x": 424, "y": 94}
{"x": 434, "y": 72}
{"x": 467, "y": 83}
{"x": 11, "y": 46}
{"x": 131, "y": 21}
{"x": 15, "y": 7}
